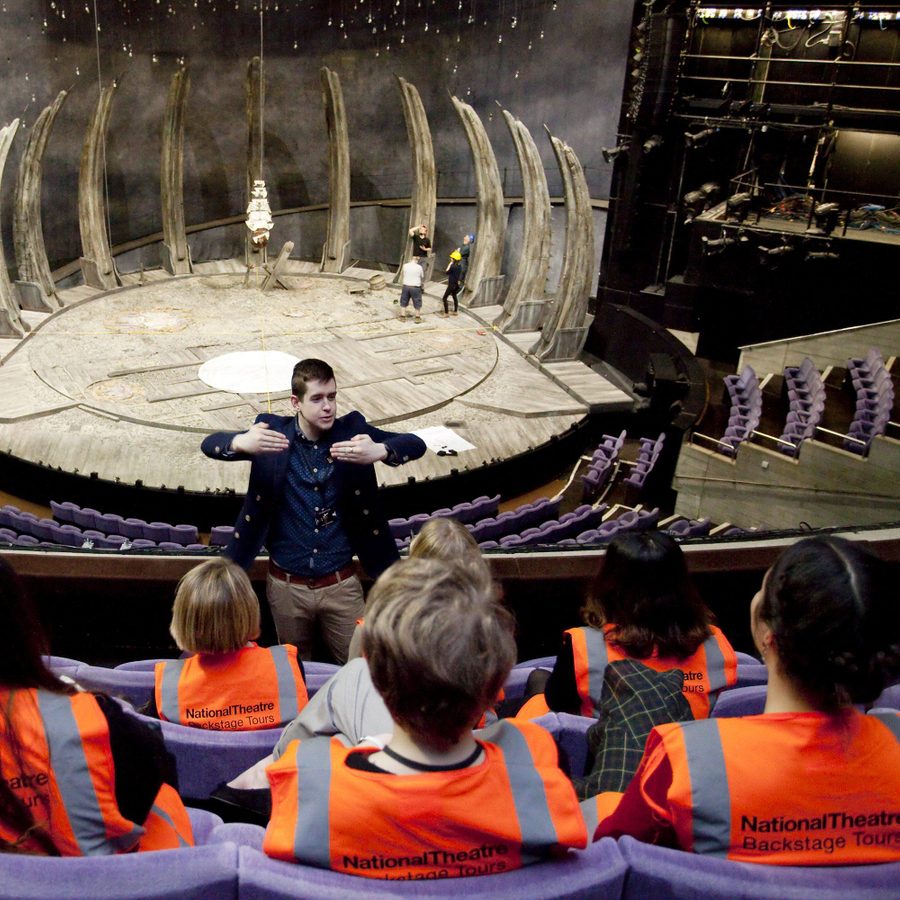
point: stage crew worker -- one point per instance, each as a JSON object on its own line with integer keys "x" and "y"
{"x": 78, "y": 775}
{"x": 811, "y": 781}
{"x": 313, "y": 499}
{"x": 435, "y": 802}
{"x": 229, "y": 684}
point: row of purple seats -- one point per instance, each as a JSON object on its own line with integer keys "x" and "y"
{"x": 874, "y": 401}
{"x": 631, "y": 520}
{"x": 132, "y": 528}
{"x": 745, "y": 412}
{"x": 688, "y": 528}
{"x": 228, "y": 862}
{"x": 603, "y": 464}
{"x": 515, "y": 521}
{"x": 467, "y": 512}
{"x": 806, "y": 399}
{"x": 552, "y": 532}
{"x": 647, "y": 457}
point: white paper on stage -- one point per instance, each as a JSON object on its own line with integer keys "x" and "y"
{"x": 440, "y": 438}
{"x": 250, "y": 372}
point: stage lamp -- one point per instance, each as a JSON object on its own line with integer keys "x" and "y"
{"x": 819, "y": 255}
{"x": 696, "y": 202}
{"x": 654, "y": 142}
{"x": 715, "y": 246}
{"x": 772, "y": 256}
{"x": 738, "y": 205}
{"x": 699, "y": 139}
{"x": 825, "y": 216}
{"x": 610, "y": 153}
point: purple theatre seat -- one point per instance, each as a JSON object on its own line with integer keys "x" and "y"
{"x": 142, "y": 544}
{"x": 488, "y": 545}
{"x": 64, "y": 512}
{"x": 84, "y": 517}
{"x": 109, "y": 523}
{"x": 662, "y": 872}
{"x": 740, "y": 701}
{"x": 220, "y": 535}
{"x": 45, "y": 530}
{"x": 416, "y": 521}
{"x": 399, "y": 528}
{"x": 889, "y": 697}
{"x": 71, "y": 535}
{"x": 597, "y": 872}
{"x": 204, "y": 871}
{"x": 157, "y": 531}
{"x": 135, "y": 687}
{"x": 751, "y": 674}
{"x": 170, "y": 546}
{"x": 133, "y": 528}
{"x": 570, "y": 734}
{"x": 7, "y": 535}
{"x": 27, "y": 540}
{"x": 184, "y": 534}
{"x": 205, "y": 759}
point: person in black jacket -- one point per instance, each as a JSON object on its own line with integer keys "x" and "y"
{"x": 313, "y": 498}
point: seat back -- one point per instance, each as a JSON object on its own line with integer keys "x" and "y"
{"x": 661, "y": 872}
{"x": 593, "y": 873}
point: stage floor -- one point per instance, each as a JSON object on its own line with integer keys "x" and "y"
{"x": 109, "y": 384}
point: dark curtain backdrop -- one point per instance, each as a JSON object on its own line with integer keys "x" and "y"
{"x": 560, "y": 64}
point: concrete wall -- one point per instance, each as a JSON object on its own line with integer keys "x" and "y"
{"x": 571, "y": 79}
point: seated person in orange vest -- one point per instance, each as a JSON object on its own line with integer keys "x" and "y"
{"x": 641, "y": 606}
{"x": 229, "y": 684}
{"x": 435, "y": 802}
{"x": 811, "y": 781}
{"x": 439, "y": 538}
{"x": 78, "y": 775}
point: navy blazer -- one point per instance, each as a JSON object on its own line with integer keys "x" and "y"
{"x": 359, "y": 508}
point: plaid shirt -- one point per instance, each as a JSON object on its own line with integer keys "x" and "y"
{"x": 635, "y": 698}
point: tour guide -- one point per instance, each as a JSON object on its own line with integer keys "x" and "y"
{"x": 313, "y": 498}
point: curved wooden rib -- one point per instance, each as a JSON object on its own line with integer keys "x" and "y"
{"x": 423, "y": 200}
{"x": 96, "y": 263}
{"x": 336, "y": 251}
{"x": 534, "y": 260}
{"x": 176, "y": 253}
{"x": 254, "y": 98}
{"x": 486, "y": 255}
{"x": 11, "y": 322}
{"x": 28, "y": 233}
{"x": 563, "y": 334}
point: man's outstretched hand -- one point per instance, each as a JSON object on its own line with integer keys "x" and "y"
{"x": 259, "y": 438}
{"x": 360, "y": 449}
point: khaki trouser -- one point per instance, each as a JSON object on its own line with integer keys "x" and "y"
{"x": 296, "y": 608}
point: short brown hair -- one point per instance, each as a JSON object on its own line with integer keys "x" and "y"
{"x": 439, "y": 647}
{"x": 216, "y": 609}
{"x": 309, "y": 370}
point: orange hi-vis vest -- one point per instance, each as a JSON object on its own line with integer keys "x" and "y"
{"x": 60, "y": 766}
{"x": 798, "y": 789}
{"x": 709, "y": 669}
{"x": 250, "y": 689}
{"x": 514, "y": 808}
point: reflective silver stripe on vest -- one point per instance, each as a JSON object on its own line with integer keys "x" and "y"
{"x": 598, "y": 658}
{"x": 167, "y": 818}
{"x": 287, "y": 687}
{"x": 529, "y": 796}
{"x": 891, "y": 720}
{"x": 591, "y": 816}
{"x": 715, "y": 665}
{"x": 312, "y": 836}
{"x": 710, "y": 798}
{"x": 73, "y": 778}
{"x": 170, "y": 709}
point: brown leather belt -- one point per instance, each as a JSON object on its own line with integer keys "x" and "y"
{"x": 324, "y": 581}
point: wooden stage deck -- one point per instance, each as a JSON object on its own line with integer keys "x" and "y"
{"x": 109, "y": 384}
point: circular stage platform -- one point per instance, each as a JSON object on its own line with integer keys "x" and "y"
{"x": 110, "y": 386}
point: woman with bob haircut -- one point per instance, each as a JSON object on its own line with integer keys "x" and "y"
{"x": 78, "y": 775}
{"x": 441, "y": 538}
{"x": 811, "y": 781}
{"x": 434, "y": 802}
{"x": 642, "y": 606}
{"x": 229, "y": 683}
